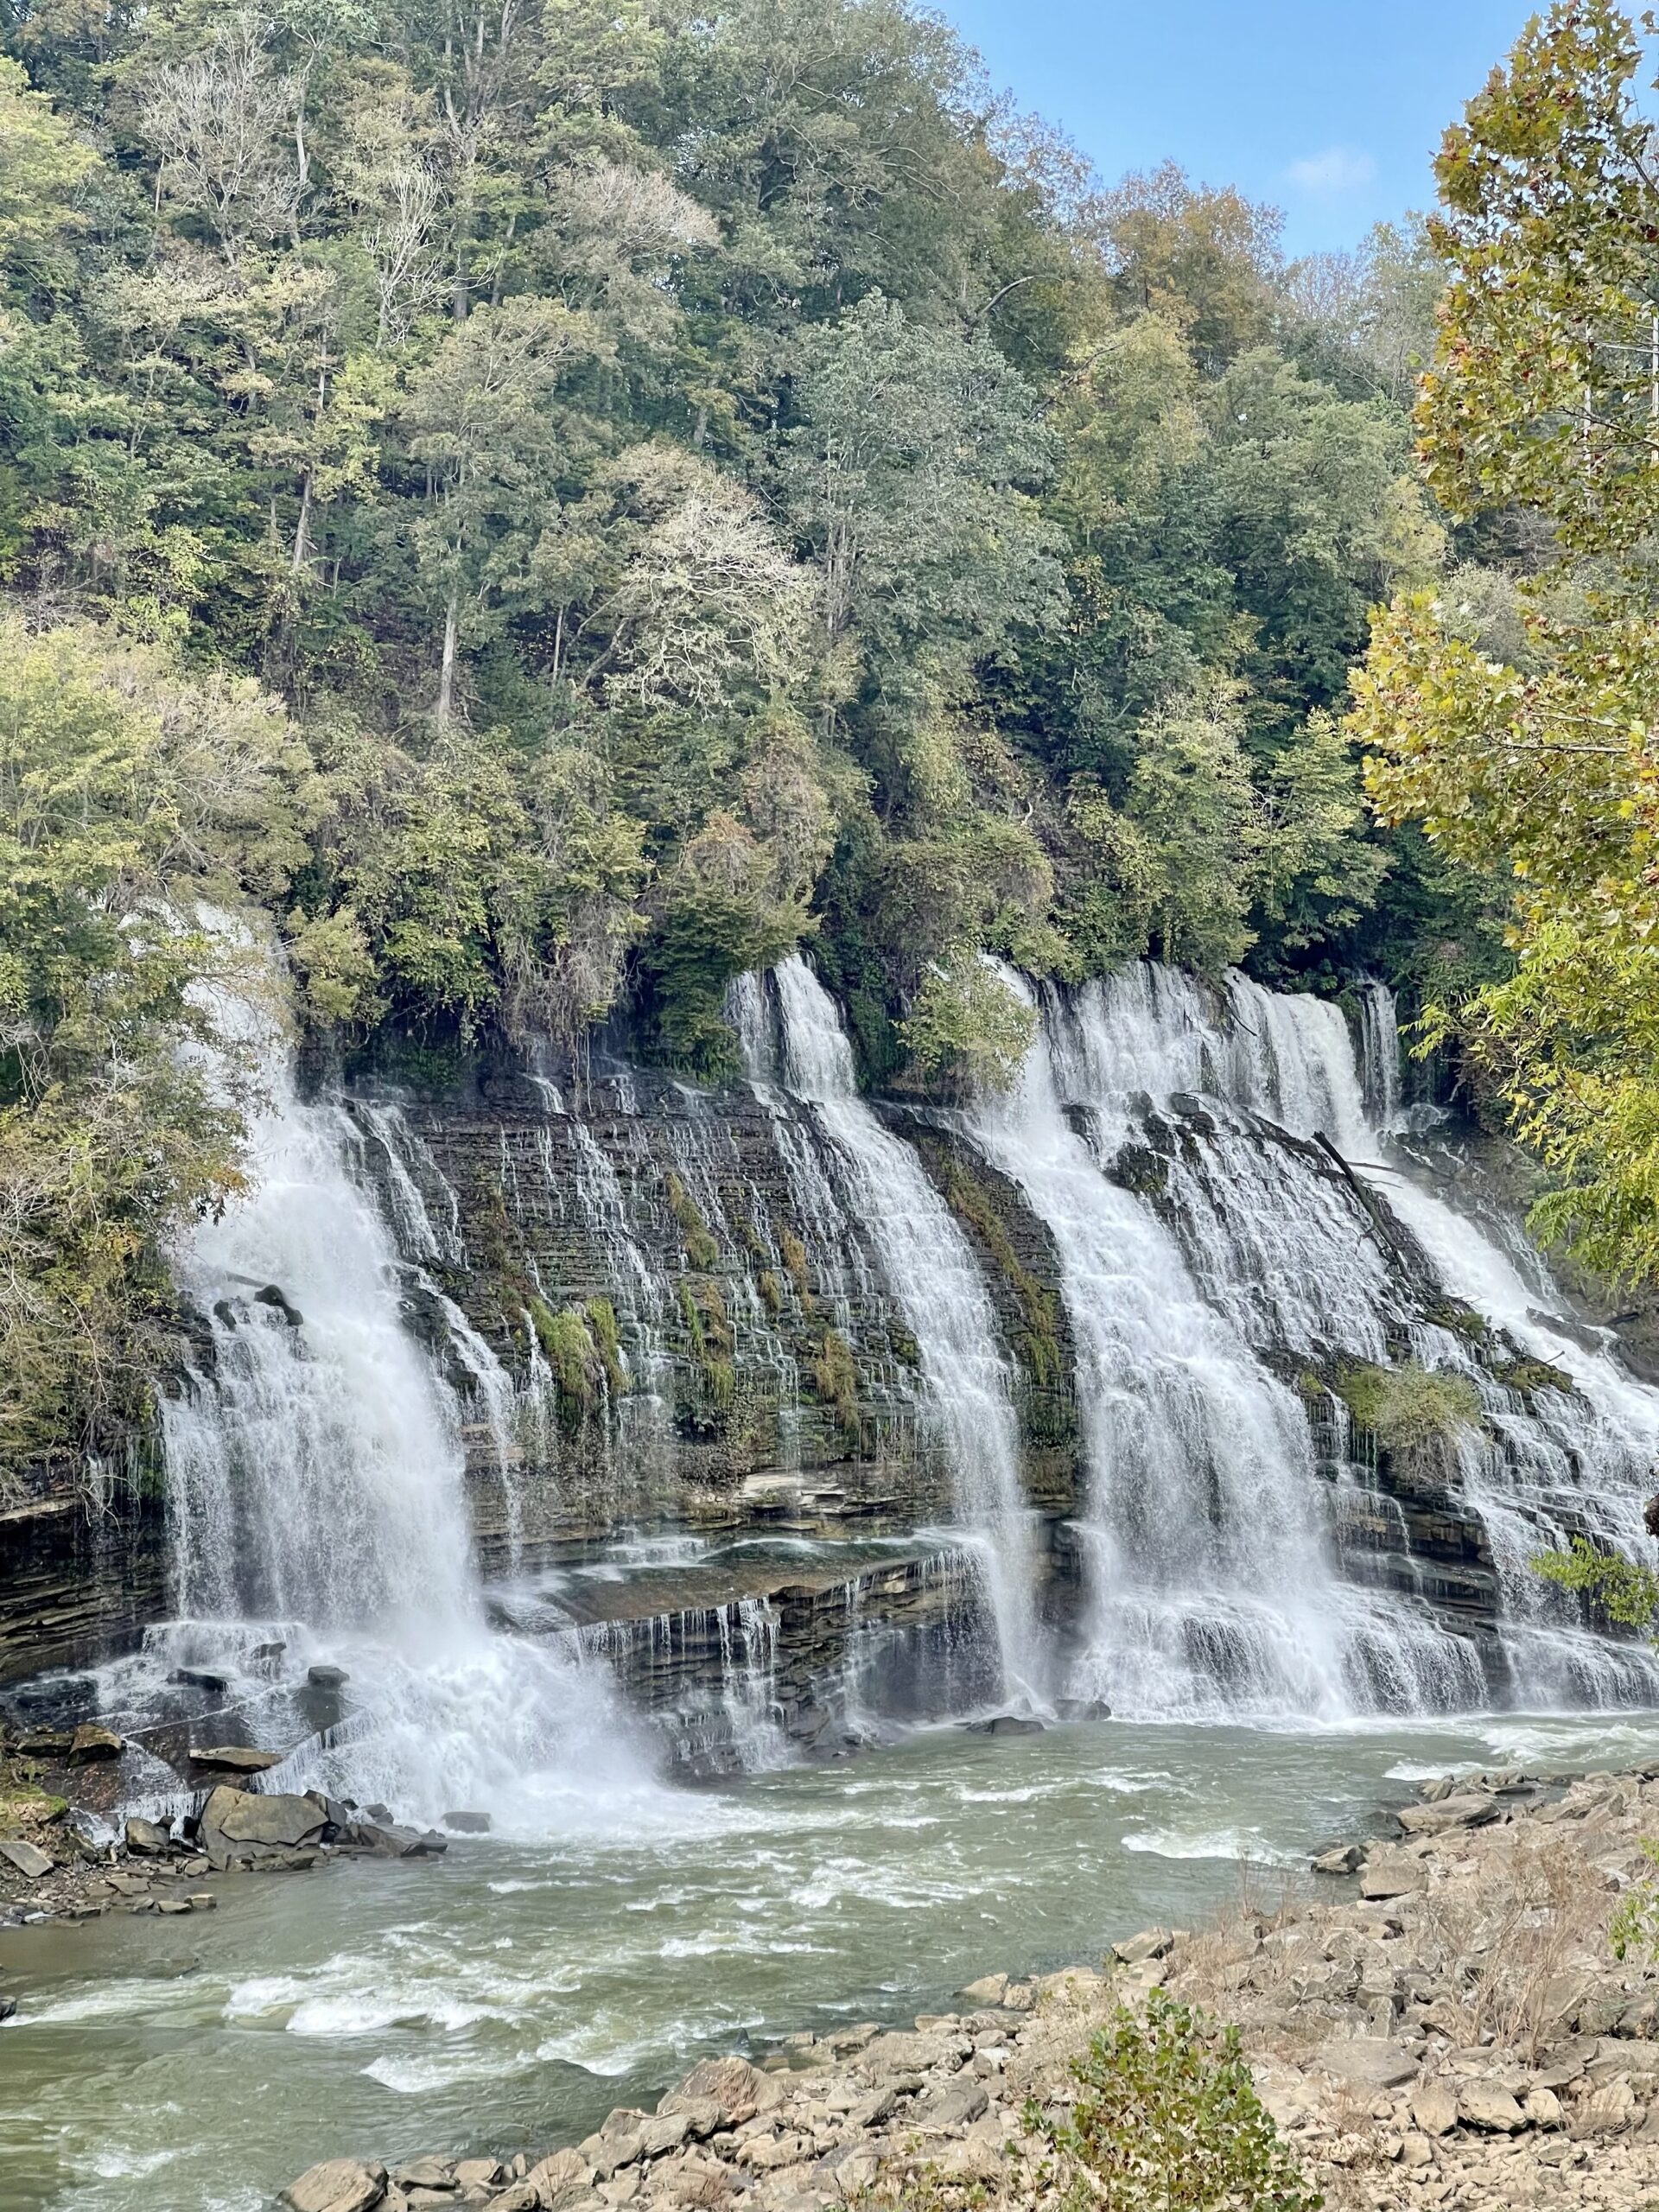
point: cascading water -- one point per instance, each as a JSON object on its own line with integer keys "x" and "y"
{"x": 932, "y": 1273}
{"x": 316, "y": 1504}
{"x": 1282, "y": 1240}
{"x": 1213, "y": 1589}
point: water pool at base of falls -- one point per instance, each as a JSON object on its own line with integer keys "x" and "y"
{"x": 509, "y": 1995}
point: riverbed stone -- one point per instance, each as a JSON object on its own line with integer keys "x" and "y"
{"x": 1391, "y": 1874}
{"x": 987, "y": 1990}
{"x": 337, "y": 2185}
{"x": 28, "y": 1858}
{"x": 147, "y": 1839}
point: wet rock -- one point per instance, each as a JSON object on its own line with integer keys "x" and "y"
{"x": 28, "y": 1858}
{"x": 45, "y": 1743}
{"x": 202, "y": 1901}
{"x": 238, "y": 1823}
{"x": 337, "y": 2185}
{"x": 1004, "y": 1724}
{"x": 91, "y": 1743}
{"x": 392, "y": 1842}
{"x": 478, "y": 2173}
{"x": 8, "y": 2008}
{"x": 145, "y": 1839}
{"x": 237, "y": 1758}
{"x": 275, "y": 1297}
{"x": 269, "y": 1650}
{"x": 326, "y": 1678}
{"x": 200, "y": 1678}
{"x": 468, "y": 1823}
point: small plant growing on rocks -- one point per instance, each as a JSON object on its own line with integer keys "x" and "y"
{"x": 1168, "y": 2120}
{"x": 1634, "y": 1928}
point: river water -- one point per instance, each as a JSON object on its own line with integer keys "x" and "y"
{"x": 507, "y": 1996}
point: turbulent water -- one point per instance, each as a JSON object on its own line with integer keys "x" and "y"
{"x": 510, "y": 1995}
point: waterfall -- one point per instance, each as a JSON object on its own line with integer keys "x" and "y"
{"x": 1288, "y": 1251}
{"x": 316, "y": 1501}
{"x": 1213, "y": 1587}
{"x": 931, "y": 1272}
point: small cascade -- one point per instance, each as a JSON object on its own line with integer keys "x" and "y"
{"x": 932, "y": 1273}
{"x": 317, "y": 1511}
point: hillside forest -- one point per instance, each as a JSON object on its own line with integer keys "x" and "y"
{"x": 557, "y": 504}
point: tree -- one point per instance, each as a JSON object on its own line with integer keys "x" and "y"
{"x": 482, "y": 421}
{"x": 1544, "y": 764}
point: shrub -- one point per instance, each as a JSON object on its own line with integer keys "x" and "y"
{"x": 835, "y": 1377}
{"x": 1168, "y": 2120}
{"x": 1408, "y": 1407}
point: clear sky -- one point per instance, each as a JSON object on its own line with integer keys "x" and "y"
{"x": 1331, "y": 109}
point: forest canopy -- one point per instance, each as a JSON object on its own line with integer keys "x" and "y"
{"x": 559, "y": 504}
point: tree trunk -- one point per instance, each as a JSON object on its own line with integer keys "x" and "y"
{"x": 446, "y": 678}
{"x": 302, "y": 527}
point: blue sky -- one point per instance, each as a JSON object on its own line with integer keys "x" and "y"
{"x": 1331, "y": 109}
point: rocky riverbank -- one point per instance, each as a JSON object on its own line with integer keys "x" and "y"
{"x": 1435, "y": 2018}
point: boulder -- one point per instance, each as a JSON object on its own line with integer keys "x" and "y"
{"x": 1391, "y": 1875}
{"x": 1150, "y": 1943}
{"x": 987, "y": 1990}
{"x": 1368, "y": 2062}
{"x": 1468, "y": 1808}
{"x": 267, "y": 1651}
{"x": 337, "y": 2185}
{"x": 241, "y": 1823}
{"x": 392, "y": 1842}
{"x": 1483, "y": 2104}
{"x": 468, "y": 1823}
{"x": 555, "y": 2176}
{"x": 1005, "y": 1723}
{"x": 1434, "y": 2109}
{"x": 423, "y": 2173}
{"x": 90, "y": 1742}
{"x": 146, "y": 1839}
{"x": 45, "y": 1743}
{"x": 1340, "y": 1858}
{"x": 740, "y": 2090}
{"x": 237, "y": 1758}
{"x": 28, "y": 1858}
{"x": 1543, "y": 2108}
{"x": 326, "y": 1678}
{"x": 274, "y": 1296}
{"x": 200, "y": 1678}
{"x": 8, "y": 2007}
{"x": 957, "y": 2106}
